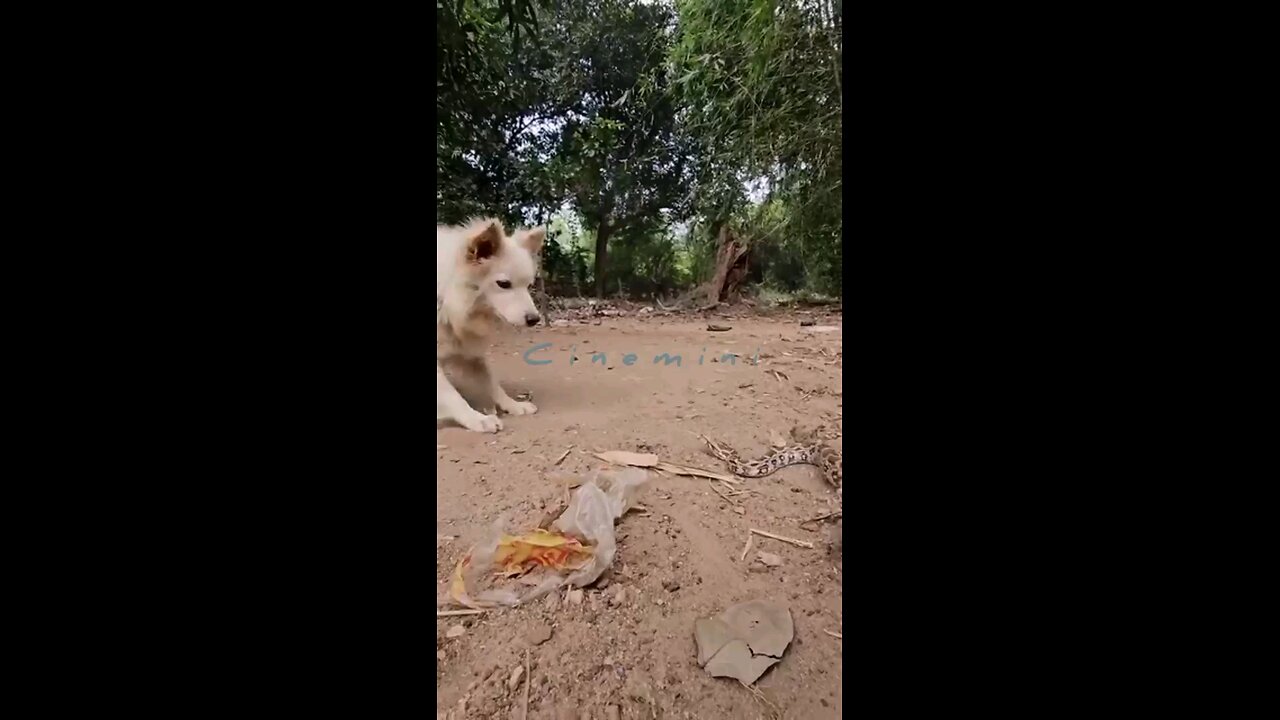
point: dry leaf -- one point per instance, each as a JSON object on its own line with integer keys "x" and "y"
{"x": 622, "y": 457}
{"x": 695, "y": 472}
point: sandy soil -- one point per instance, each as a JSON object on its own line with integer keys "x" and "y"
{"x": 627, "y": 650}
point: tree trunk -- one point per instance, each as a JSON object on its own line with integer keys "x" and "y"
{"x": 602, "y": 254}
{"x": 731, "y": 266}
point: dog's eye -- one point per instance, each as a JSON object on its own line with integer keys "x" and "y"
{"x": 504, "y": 284}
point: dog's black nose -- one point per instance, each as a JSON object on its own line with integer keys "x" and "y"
{"x": 531, "y": 319}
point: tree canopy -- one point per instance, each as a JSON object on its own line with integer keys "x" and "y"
{"x": 653, "y": 125}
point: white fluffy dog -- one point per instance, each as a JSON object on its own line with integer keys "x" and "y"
{"x": 482, "y": 275}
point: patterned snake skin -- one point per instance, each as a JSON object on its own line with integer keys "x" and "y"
{"x": 809, "y": 452}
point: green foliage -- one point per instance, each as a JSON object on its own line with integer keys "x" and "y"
{"x": 645, "y": 264}
{"x": 636, "y": 115}
{"x": 486, "y": 94}
{"x": 565, "y": 259}
{"x": 760, "y": 84}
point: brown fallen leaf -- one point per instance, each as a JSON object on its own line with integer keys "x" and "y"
{"x": 622, "y": 457}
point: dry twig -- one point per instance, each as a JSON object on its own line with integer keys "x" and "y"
{"x": 452, "y": 613}
{"x": 727, "y": 499}
{"x": 527, "y": 683}
{"x": 563, "y": 456}
{"x": 827, "y": 516}
{"x": 793, "y": 541}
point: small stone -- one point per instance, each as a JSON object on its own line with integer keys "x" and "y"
{"x": 758, "y": 568}
{"x": 671, "y": 585}
{"x": 738, "y": 509}
{"x": 455, "y": 631}
{"x": 769, "y": 559}
{"x": 440, "y": 655}
{"x": 575, "y": 597}
{"x": 514, "y": 681}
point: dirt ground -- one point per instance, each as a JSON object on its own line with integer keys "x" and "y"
{"x": 627, "y": 649}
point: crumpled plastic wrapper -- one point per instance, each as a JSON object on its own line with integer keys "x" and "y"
{"x": 601, "y": 500}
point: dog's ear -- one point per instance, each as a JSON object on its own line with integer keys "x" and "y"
{"x": 532, "y": 239}
{"x": 484, "y": 244}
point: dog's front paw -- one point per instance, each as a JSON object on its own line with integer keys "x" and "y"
{"x": 516, "y": 407}
{"x": 481, "y": 423}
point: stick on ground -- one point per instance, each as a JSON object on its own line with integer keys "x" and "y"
{"x": 714, "y": 490}
{"x": 452, "y": 613}
{"x": 562, "y": 457}
{"x": 825, "y": 516}
{"x": 527, "y": 682}
{"x": 793, "y": 541}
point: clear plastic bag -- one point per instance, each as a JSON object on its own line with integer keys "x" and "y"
{"x": 596, "y": 505}
{"x": 591, "y": 514}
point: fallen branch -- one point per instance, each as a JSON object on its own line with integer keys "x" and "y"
{"x": 834, "y": 635}
{"x": 830, "y": 515}
{"x": 793, "y": 541}
{"x": 452, "y": 613}
{"x": 746, "y": 548}
{"x": 527, "y": 682}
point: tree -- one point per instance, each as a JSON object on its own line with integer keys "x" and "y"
{"x": 617, "y": 159}
{"x": 487, "y": 89}
{"x": 760, "y": 87}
